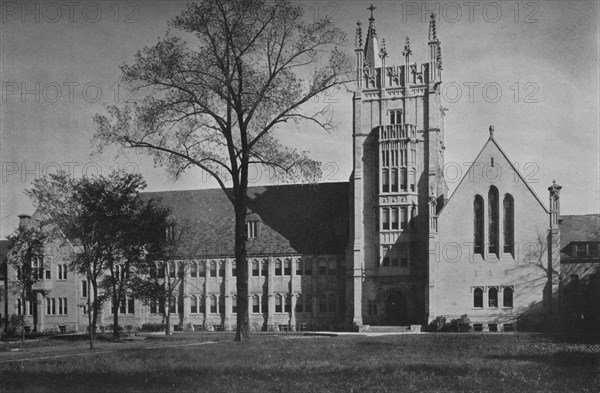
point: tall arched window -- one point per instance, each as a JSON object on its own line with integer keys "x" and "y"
{"x": 478, "y": 298}
{"x": 278, "y": 303}
{"x": 255, "y": 304}
{"x": 507, "y": 297}
{"x": 213, "y": 269}
{"x": 493, "y": 297}
{"x": 509, "y": 224}
{"x": 478, "y": 225}
{"x": 213, "y": 304}
{"x": 494, "y": 229}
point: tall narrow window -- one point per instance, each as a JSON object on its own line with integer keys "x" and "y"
{"x": 403, "y": 179}
{"x": 394, "y": 180}
{"x": 255, "y": 304}
{"x": 299, "y": 304}
{"x": 298, "y": 267}
{"x": 213, "y": 304}
{"x": 84, "y": 289}
{"x": 193, "y": 305}
{"x": 202, "y": 269}
{"x": 507, "y": 297}
{"x": 233, "y": 268}
{"x": 287, "y": 267}
{"x": 385, "y": 181}
{"x": 234, "y": 305}
{"x": 493, "y": 297}
{"x": 509, "y": 222}
{"x": 278, "y": 305}
{"x": 278, "y": 267}
{"x": 288, "y": 303}
{"x": 130, "y": 306}
{"x": 193, "y": 269}
{"x": 264, "y": 268}
{"x": 478, "y": 298}
{"x": 202, "y": 300}
{"x": 412, "y": 180}
{"x": 478, "y": 225}
{"x": 403, "y": 218}
{"x": 394, "y": 218}
{"x": 221, "y": 305}
{"x": 254, "y": 268}
{"x": 392, "y": 117}
{"x": 385, "y": 219}
{"x": 493, "y": 220}
{"x": 221, "y": 269}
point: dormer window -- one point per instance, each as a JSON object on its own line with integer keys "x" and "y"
{"x": 581, "y": 250}
{"x": 252, "y": 229}
{"x": 170, "y": 233}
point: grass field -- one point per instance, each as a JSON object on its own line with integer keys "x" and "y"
{"x": 279, "y": 363}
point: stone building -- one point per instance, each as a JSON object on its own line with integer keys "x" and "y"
{"x": 389, "y": 247}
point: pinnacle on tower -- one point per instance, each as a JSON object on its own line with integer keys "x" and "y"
{"x": 383, "y": 51}
{"x": 372, "y": 52}
{"x": 358, "y": 41}
{"x": 406, "y": 52}
{"x": 439, "y": 56}
{"x": 432, "y": 32}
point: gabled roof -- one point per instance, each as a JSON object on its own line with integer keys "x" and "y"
{"x": 300, "y": 218}
{"x": 493, "y": 141}
{"x": 578, "y": 228}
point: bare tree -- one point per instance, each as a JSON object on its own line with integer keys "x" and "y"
{"x": 215, "y": 103}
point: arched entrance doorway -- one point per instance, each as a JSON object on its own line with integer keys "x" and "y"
{"x": 395, "y": 308}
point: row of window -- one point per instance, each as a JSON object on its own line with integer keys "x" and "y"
{"x": 390, "y": 179}
{"x": 283, "y": 304}
{"x": 39, "y": 272}
{"x": 54, "y": 306}
{"x": 397, "y": 218}
{"x": 492, "y": 297}
{"x": 396, "y": 255}
{"x": 257, "y": 268}
{"x": 493, "y": 223}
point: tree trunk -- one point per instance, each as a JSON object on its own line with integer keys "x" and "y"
{"x": 116, "y": 335}
{"x": 23, "y": 308}
{"x": 94, "y": 310}
{"x": 168, "y": 320}
{"x": 242, "y": 332}
{"x": 90, "y": 325}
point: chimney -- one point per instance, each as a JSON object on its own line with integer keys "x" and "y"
{"x": 554, "y": 190}
{"x": 24, "y": 220}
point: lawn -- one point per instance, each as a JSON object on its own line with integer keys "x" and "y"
{"x": 280, "y": 363}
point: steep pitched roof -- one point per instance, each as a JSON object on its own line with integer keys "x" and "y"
{"x": 492, "y": 141}
{"x": 300, "y": 218}
{"x": 578, "y": 228}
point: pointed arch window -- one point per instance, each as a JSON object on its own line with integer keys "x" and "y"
{"x": 478, "y": 298}
{"x": 493, "y": 231}
{"x": 509, "y": 224}
{"x": 478, "y": 225}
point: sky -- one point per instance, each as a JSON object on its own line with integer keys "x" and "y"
{"x": 529, "y": 68}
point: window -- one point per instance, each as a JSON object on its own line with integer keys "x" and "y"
{"x": 478, "y": 225}
{"x": 403, "y": 179}
{"x": 385, "y": 219}
{"x": 299, "y": 267}
{"x": 50, "y": 306}
{"x": 322, "y": 267}
{"x": 84, "y": 289}
{"x": 396, "y": 117}
{"x": 153, "y": 307}
{"x": 581, "y": 250}
{"x": 254, "y": 268}
{"x": 233, "y": 268}
{"x": 193, "y": 269}
{"x": 255, "y": 304}
{"x": 478, "y": 298}
{"x": 170, "y": 233}
{"x": 213, "y": 269}
{"x": 62, "y": 272}
{"x": 493, "y": 297}
{"x": 213, "y": 304}
{"x": 202, "y": 269}
{"x": 62, "y": 306}
{"x": 507, "y": 297}
{"x": 172, "y": 269}
{"x": 493, "y": 220}
{"x": 278, "y": 301}
{"x": 413, "y": 180}
{"x": 493, "y": 327}
{"x": 307, "y": 303}
{"x": 278, "y": 267}
{"x": 130, "y": 306}
{"x": 47, "y": 274}
{"x": 385, "y": 181}
{"x": 403, "y": 218}
{"x": 234, "y": 305}
{"x": 162, "y": 270}
{"x": 288, "y": 303}
{"x": 252, "y": 229}
{"x": 287, "y": 267}
{"x": 299, "y": 304}
{"x": 509, "y": 222}
{"x": 394, "y": 180}
{"x": 394, "y": 218}
{"x": 123, "y": 306}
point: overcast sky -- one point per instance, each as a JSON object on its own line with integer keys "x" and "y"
{"x": 532, "y": 68}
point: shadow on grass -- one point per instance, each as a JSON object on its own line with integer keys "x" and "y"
{"x": 578, "y": 360}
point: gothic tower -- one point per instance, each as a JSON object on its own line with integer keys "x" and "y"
{"x": 397, "y": 181}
